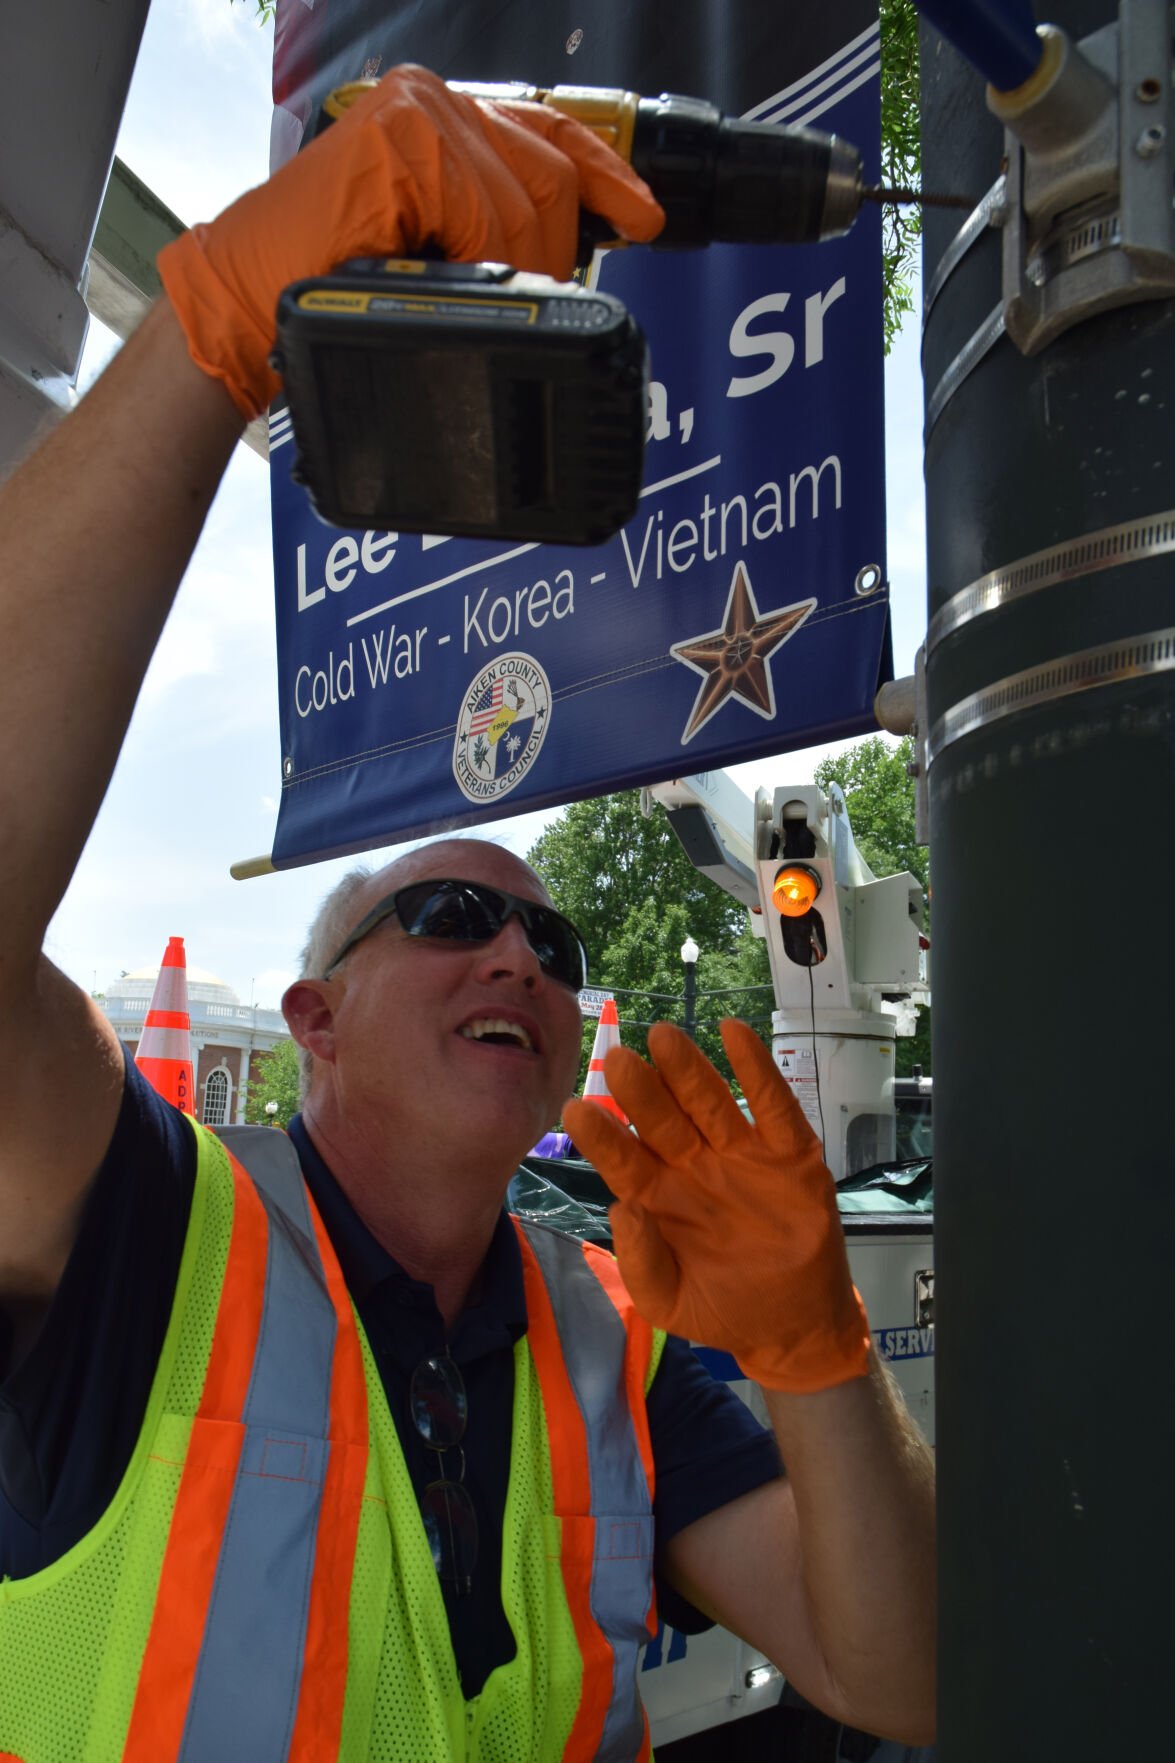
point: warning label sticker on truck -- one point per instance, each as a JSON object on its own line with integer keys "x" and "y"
{"x": 798, "y": 1066}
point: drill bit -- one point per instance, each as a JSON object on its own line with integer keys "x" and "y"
{"x": 925, "y": 198}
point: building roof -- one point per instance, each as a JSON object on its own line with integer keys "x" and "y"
{"x": 202, "y": 985}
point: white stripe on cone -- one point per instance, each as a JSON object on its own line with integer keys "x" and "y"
{"x": 607, "y": 1035}
{"x": 171, "y": 988}
{"x": 164, "y": 1043}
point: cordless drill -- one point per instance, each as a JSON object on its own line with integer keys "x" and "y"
{"x": 472, "y": 400}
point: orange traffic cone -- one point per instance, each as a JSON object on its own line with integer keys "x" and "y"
{"x": 164, "y": 1054}
{"x": 607, "y": 1035}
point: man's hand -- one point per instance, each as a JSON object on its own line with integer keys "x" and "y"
{"x": 727, "y": 1232}
{"x": 410, "y": 162}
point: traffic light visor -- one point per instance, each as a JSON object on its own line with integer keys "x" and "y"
{"x": 795, "y": 890}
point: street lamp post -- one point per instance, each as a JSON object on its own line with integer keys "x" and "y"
{"x": 689, "y": 962}
{"x": 271, "y": 1113}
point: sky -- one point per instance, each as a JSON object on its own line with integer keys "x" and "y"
{"x": 196, "y": 787}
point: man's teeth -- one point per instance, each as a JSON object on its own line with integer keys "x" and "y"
{"x": 487, "y": 1027}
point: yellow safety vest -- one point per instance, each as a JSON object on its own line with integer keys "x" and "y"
{"x": 261, "y": 1586}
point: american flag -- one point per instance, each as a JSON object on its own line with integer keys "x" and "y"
{"x": 490, "y": 706}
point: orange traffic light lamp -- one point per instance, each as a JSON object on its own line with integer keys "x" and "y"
{"x": 795, "y": 890}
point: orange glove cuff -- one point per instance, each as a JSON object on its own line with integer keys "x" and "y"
{"x": 237, "y": 354}
{"x": 832, "y": 1352}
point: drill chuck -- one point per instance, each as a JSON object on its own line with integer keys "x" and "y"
{"x": 724, "y": 181}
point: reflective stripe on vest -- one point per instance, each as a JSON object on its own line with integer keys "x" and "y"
{"x": 242, "y": 1634}
{"x": 267, "y": 1557}
{"x": 583, "y": 1352}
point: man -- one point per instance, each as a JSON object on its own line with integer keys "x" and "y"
{"x": 238, "y": 1515}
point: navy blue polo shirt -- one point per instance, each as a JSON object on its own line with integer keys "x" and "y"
{"x": 71, "y": 1411}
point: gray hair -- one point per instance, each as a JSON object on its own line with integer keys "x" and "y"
{"x": 336, "y": 916}
{"x": 328, "y": 929}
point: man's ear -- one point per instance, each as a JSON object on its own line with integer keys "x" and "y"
{"x": 310, "y": 1018}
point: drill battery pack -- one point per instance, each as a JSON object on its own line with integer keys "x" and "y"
{"x": 464, "y": 399}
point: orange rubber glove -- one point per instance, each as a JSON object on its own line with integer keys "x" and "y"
{"x": 726, "y": 1233}
{"x": 410, "y": 162}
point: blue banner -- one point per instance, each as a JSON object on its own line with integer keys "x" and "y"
{"x": 429, "y": 683}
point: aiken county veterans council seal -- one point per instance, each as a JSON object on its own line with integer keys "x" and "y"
{"x": 501, "y": 727}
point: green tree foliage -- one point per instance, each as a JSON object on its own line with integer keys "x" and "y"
{"x": 901, "y": 159}
{"x": 625, "y": 881}
{"x": 879, "y": 795}
{"x": 277, "y": 1081}
{"x": 603, "y": 859}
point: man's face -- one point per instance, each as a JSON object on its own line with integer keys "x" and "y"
{"x": 470, "y": 1044}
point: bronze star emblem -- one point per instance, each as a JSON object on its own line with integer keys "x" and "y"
{"x": 733, "y": 660}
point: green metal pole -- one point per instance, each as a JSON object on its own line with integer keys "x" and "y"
{"x": 1052, "y": 857}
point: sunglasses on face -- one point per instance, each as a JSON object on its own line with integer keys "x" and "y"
{"x": 469, "y": 912}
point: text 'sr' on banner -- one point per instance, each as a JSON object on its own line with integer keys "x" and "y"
{"x": 427, "y": 682}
